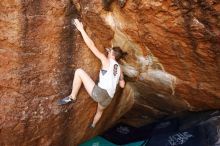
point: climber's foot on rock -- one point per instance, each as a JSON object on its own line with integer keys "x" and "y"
{"x": 66, "y": 100}
{"x": 91, "y": 126}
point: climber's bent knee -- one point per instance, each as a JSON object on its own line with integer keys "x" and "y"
{"x": 101, "y": 96}
{"x": 78, "y": 70}
{"x": 86, "y": 79}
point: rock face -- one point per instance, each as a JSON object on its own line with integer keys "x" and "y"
{"x": 173, "y": 64}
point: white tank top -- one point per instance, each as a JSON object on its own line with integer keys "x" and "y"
{"x": 109, "y": 80}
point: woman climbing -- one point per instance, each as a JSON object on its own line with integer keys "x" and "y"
{"x": 109, "y": 76}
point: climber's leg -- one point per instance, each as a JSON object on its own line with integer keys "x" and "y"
{"x": 103, "y": 99}
{"x": 98, "y": 115}
{"x": 80, "y": 77}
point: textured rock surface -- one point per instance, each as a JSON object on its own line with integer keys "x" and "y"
{"x": 173, "y": 64}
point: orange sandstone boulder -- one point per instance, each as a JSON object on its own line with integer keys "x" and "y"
{"x": 173, "y": 65}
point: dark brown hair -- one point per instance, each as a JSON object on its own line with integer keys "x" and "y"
{"x": 119, "y": 53}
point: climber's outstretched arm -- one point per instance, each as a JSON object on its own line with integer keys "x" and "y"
{"x": 89, "y": 42}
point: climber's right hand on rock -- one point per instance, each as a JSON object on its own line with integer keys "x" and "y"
{"x": 78, "y": 24}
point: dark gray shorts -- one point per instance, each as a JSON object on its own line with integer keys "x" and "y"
{"x": 101, "y": 96}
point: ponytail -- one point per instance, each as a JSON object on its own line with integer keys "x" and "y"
{"x": 119, "y": 54}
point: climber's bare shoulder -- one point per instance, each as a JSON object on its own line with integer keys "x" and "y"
{"x": 104, "y": 60}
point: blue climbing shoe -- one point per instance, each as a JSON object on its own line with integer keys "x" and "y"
{"x": 65, "y": 100}
{"x": 91, "y": 126}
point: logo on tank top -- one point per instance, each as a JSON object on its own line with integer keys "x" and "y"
{"x": 115, "y": 70}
